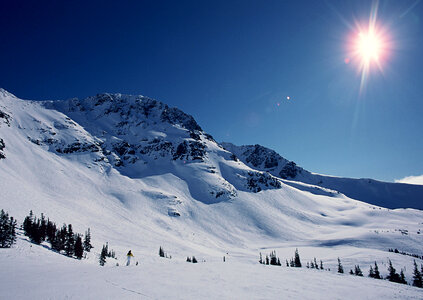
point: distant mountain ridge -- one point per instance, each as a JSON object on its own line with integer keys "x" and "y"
{"x": 385, "y": 194}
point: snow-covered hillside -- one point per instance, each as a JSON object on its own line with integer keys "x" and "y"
{"x": 386, "y": 194}
{"x": 143, "y": 175}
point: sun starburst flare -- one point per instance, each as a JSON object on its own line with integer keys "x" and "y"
{"x": 368, "y": 46}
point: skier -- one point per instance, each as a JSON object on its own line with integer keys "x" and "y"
{"x": 129, "y": 255}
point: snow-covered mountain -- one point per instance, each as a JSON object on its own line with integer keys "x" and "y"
{"x": 386, "y": 194}
{"x": 142, "y": 175}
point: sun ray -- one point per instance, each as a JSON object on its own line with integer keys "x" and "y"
{"x": 368, "y": 46}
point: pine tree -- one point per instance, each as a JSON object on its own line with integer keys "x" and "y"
{"x": 371, "y": 272}
{"x": 273, "y": 259}
{"x": 87, "y": 241}
{"x": 261, "y": 259}
{"x": 297, "y": 260}
{"x": 7, "y": 230}
{"x": 79, "y": 250}
{"x": 188, "y": 259}
{"x": 351, "y": 272}
{"x": 61, "y": 238}
{"x": 27, "y": 224}
{"x": 357, "y": 271}
{"x": 267, "y": 260}
{"x": 103, "y": 255}
{"x": 393, "y": 275}
{"x": 315, "y": 263}
{"x": 340, "y": 268}
{"x": 161, "y": 252}
{"x": 194, "y": 260}
{"x": 70, "y": 241}
{"x": 279, "y": 262}
{"x": 35, "y": 232}
{"x": 51, "y": 232}
{"x": 43, "y": 228}
{"x": 376, "y": 272}
{"x": 417, "y": 276}
{"x": 402, "y": 277}
{"x": 321, "y": 265}
{"x": 287, "y": 264}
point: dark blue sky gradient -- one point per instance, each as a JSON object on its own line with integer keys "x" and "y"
{"x": 228, "y": 63}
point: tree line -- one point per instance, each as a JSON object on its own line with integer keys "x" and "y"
{"x": 62, "y": 240}
{"x": 392, "y": 276}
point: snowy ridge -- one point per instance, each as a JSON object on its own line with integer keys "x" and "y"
{"x": 386, "y": 194}
{"x": 143, "y": 175}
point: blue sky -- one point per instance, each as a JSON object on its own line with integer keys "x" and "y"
{"x": 231, "y": 64}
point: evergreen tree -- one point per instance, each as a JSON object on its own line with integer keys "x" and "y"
{"x": 87, "y": 241}
{"x": 287, "y": 264}
{"x": 267, "y": 260}
{"x": 417, "y": 276}
{"x": 376, "y": 272}
{"x": 321, "y": 265}
{"x": 291, "y": 263}
{"x": 79, "y": 250}
{"x": 315, "y": 264}
{"x": 351, "y": 272}
{"x": 194, "y": 260}
{"x": 103, "y": 255}
{"x": 7, "y": 230}
{"x": 402, "y": 277}
{"x": 161, "y": 252}
{"x": 273, "y": 259}
{"x": 279, "y": 262}
{"x": 188, "y": 259}
{"x": 371, "y": 272}
{"x": 70, "y": 241}
{"x": 393, "y": 275}
{"x": 61, "y": 238}
{"x": 297, "y": 260}
{"x": 357, "y": 271}
{"x": 261, "y": 259}
{"x": 35, "y": 232}
{"x": 27, "y": 224}
{"x": 51, "y": 232}
{"x": 340, "y": 268}
{"x": 43, "y": 228}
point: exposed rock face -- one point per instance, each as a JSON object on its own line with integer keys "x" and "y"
{"x": 5, "y": 118}
{"x": 265, "y": 159}
{"x": 2, "y": 146}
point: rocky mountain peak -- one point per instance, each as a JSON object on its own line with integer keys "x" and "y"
{"x": 130, "y": 107}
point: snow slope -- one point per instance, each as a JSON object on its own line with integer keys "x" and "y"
{"x": 35, "y": 273}
{"x": 143, "y": 175}
{"x": 386, "y": 194}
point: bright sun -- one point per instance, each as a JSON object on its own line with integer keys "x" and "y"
{"x": 369, "y": 46}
